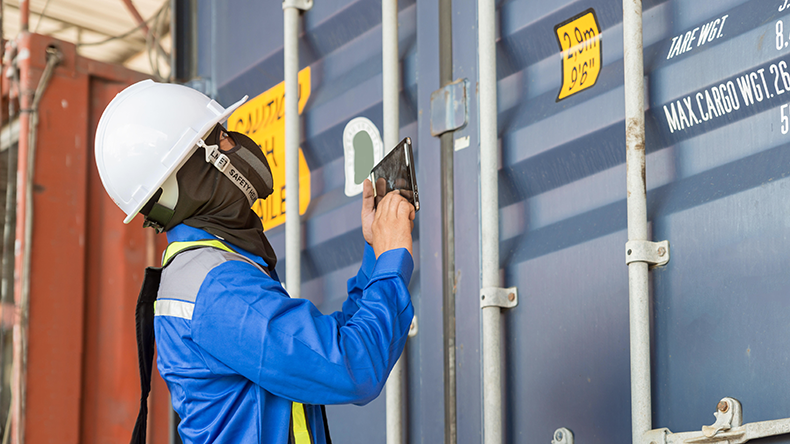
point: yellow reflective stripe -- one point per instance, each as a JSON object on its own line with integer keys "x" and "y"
{"x": 299, "y": 421}
{"x": 176, "y": 247}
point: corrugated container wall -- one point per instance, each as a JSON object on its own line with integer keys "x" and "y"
{"x": 717, "y": 161}
{"x": 80, "y": 380}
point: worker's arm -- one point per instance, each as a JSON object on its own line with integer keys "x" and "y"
{"x": 245, "y": 320}
{"x": 289, "y": 348}
{"x": 355, "y": 286}
{"x": 386, "y": 239}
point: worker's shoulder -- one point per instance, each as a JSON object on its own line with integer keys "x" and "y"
{"x": 187, "y": 271}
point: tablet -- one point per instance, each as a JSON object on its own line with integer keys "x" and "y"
{"x": 396, "y": 172}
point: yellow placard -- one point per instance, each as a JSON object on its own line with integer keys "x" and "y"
{"x": 580, "y": 43}
{"x": 263, "y": 120}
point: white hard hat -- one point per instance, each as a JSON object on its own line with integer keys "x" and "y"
{"x": 146, "y": 134}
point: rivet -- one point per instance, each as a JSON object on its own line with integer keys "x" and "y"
{"x": 511, "y": 297}
{"x": 723, "y": 406}
{"x": 662, "y": 251}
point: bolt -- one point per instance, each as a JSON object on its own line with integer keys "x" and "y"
{"x": 662, "y": 251}
{"x": 511, "y": 297}
{"x": 723, "y": 406}
{"x": 558, "y": 435}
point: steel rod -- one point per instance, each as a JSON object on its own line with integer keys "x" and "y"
{"x": 489, "y": 221}
{"x": 396, "y": 418}
{"x": 639, "y": 306}
{"x": 293, "y": 240}
{"x": 447, "y": 199}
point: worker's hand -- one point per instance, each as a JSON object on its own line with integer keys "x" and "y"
{"x": 392, "y": 223}
{"x": 368, "y": 213}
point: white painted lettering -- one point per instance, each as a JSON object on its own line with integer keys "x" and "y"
{"x": 761, "y": 71}
{"x": 692, "y": 117}
{"x": 733, "y": 95}
{"x": 723, "y": 19}
{"x": 703, "y": 34}
{"x": 725, "y": 98}
{"x": 691, "y": 40}
{"x": 758, "y": 93}
{"x": 686, "y": 39}
{"x": 699, "y": 107}
{"x": 684, "y": 121}
{"x": 707, "y": 33}
{"x": 672, "y": 48}
{"x": 711, "y": 108}
{"x": 672, "y": 118}
{"x": 717, "y": 99}
{"x": 713, "y": 30}
{"x": 746, "y": 90}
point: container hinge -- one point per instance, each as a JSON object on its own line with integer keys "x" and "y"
{"x": 498, "y": 297}
{"x": 562, "y": 436}
{"x": 728, "y": 428}
{"x": 449, "y": 110}
{"x": 303, "y": 5}
{"x": 654, "y": 253}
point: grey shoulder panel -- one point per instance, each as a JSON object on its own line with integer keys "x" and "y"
{"x": 183, "y": 276}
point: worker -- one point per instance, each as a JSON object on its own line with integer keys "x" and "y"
{"x": 244, "y": 362}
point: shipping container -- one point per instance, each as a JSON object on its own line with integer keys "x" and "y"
{"x": 716, "y": 141}
{"x": 717, "y": 128}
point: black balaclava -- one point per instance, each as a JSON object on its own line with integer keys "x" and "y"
{"x": 212, "y": 202}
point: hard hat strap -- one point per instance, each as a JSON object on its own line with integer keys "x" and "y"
{"x": 222, "y": 162}
{"x": 158, "y": 217}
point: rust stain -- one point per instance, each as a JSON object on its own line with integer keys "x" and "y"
{"x": 635, "y": 134}
{"x": 635, "y": 139}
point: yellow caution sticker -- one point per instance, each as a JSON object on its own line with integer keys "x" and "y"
{"x": 580, "y": 43}
{"x": 263, "y": 120}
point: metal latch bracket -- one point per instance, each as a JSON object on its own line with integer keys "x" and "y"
{"x": 449, "y": 109}
{"x": 728, "y": 428}
{"x": 562, "y": 436}
{"x": 303, "y": 5}
{"x": 498, "y": 297}
{"x": 654, "y": 253}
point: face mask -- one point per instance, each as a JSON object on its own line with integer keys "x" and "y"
{"x": 244, "y": 165}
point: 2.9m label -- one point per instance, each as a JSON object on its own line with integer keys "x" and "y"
{"x": 580, "y": 42}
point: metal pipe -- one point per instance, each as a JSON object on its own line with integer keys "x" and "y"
{"x": 29, "y": 101}
{"x": 489, "y": 221}
{"x": 293, "y": 240}
{"x": 6, "y": 293}
{"x": 136, "y": 15}
{"x": 8, "y": 232}
{"x": 13, "y": 409}
{"x": 149, "y": 35}
{"x": 639, "y": 308}
{"x": 447, "y": 199}
{"x": 24, "y": 15}
{"x": 396, "y": 419}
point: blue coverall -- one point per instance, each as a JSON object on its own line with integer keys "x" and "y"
{"x": 240, "y": 350}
